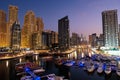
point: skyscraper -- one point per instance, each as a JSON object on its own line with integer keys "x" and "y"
{"x": 63, "y": 33}
{"x": 39, "y": 24}
{"x": 3, "y": 29}
{"x": 29, "y": 27}
{"x": 93, "y": 40}
{"x": 15, "y": 36}
{"x": 75, "y": 39}
{"x": 37, "y": 36}
{"x": 110, "y": 28}
{"x": 13, "y": 16}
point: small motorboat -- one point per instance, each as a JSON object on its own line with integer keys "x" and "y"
{"x": 118, "y": 72}
{"x": 100, "y": 68}
{"x": 39, "y": 70}
{"x": 54, "y": 77}
{"x": 90, "y": 68}
{"x": 20, "y": 68}
{"x": 26, "y": 78}
{"x": 69, "y": 63}
{"x": 108, "y": 70}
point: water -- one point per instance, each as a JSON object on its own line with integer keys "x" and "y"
{"x": 7, "y": 69}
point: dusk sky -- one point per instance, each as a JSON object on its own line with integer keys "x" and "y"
{"x": 84, "y": 15}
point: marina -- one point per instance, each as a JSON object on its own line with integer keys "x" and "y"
{"x": 65, "y": 66}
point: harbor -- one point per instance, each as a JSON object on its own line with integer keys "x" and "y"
{"x": 73, "y": 66}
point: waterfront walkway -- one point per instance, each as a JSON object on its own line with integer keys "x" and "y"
{"x": 4, "y": 56}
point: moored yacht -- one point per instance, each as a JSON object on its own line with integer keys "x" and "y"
{"x": 100, "y": 69}
{"x": 118, "y": 72}
{"x": 90, "y": 68}
{"x": 108, "y": 70}
{"x": 26, "y": 78}
{"x": 20, "y": 68}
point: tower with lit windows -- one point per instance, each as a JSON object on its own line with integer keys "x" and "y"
{"x": 3, "y": 29}
{"x": 110, "y": 28}
{"x": 12, "y": 18}
{"x": 28, "y": 28}
{"x": 63, "y": 33}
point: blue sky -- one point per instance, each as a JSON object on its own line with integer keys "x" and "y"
{"x": 84, "y": 15}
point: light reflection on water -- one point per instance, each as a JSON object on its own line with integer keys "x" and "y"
{"x": 76, "y": 73}
{"x": 7, "y": 63}
{"x": 36, "y": 57}
{"x": 20, "y": 60}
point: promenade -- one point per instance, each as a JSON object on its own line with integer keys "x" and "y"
{"x": 4, "y": 56}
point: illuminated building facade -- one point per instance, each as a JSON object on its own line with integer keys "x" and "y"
{"x": 54, "y": 36}
{"x": 13, "y": 16}
{"x": 110, "y": 28}
{"x": 37, "y": 36}
{"x": 15, "y": 36}
{"x": 93, "y": 40}
{"x": 29, "y": 27}
{"x": 75, "y": 39}
{"x": 63, "y": 33}
{"x": 3, "y": 29}
{"x": 46, "y": 39}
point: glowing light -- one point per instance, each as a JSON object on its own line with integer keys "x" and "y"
{"x": 90, "y": 55}
{"x": 68, "y": 55}
{"x": 82, "y": 55}
{"x": 81, "y": 64}
{"x": 27, "y": 69}
{"x": 37, "y": 78}
{"x": 20, "y": 60}
{"x": 36, "y": 57}
{"x": 75, "y": 53}
{"x": 7, "y": 63}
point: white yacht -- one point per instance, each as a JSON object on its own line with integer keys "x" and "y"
{"x": 108, "y": 70}
{"x": 100, "y": 68}
{"x": 54, "y": 77}
{"x": 40, "y": 70}
{"x": 90, "y": 68}
{"x": 26, "y": 78}
{"x": 118, "y": 72}
{"x": 69, "y": 63}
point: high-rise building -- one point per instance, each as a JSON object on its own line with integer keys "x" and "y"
{"x": 39, "y": 24}
{"x": 110, "y": 28}
{"x": 29, "y": 27}
{"x": 37, "y": 36}
{"x": 100, "y": 40}
{"x": 75, "y": 39}
{"x": 37, "y": 40}
{"x": 13, "y": 16}
{"x": 119, "y": 35}
{"x": 15, "y": 36}
{"x": 63, "y": 33}
{"x": 93, "y": 40}
{"x": 46, "y": 39}
{"x": 54, "y": 37}
{"x": 3, "y": 29}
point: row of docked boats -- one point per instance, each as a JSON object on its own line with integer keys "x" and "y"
{"x": 20, "y": 68}
{"x": 46, "y": 77}
{"x": 64, "y": 62}
{"x": 99, "y": 64}
{"x": 29, "y": 71}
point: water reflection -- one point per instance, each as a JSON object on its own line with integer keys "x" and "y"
{"x": 7, "y": 68}
{"x": 7, "y": 63}
{"x": 73, "y": 55}
{"x": 20, "y": 60}
{"x": 90, "y": 54}
{"x": 82, "y": 55}
{"x": 36, "y": 57}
